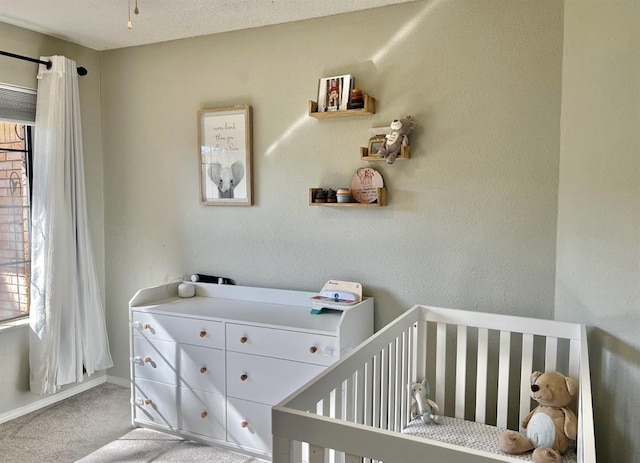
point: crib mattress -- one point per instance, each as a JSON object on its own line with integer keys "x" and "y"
{"x": 471, "y": 435}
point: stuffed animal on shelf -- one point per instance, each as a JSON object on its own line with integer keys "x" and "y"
{"x": 422, "y": 406}
{"x": 551, "y": 425}
{"x": 398, "y": 138}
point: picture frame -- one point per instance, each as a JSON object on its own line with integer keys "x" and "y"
{"x": 225, "y": 152}
{"x": 375, "y": 143}
{"x": 334, "y": 92}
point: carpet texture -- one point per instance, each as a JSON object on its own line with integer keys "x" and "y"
{"x": 95, "y": 426}
{"x": 145, "y": 445}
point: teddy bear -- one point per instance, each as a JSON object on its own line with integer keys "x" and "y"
{"x": 398, "y": 138}
{"x": 423, "y": 407}
{"x": 551, "y": 425}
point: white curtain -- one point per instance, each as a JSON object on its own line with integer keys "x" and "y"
{"x": 68, "y": 331}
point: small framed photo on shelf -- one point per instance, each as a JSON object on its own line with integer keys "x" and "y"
{"x": 375, "y": 143}
{"x": 334, "y": 93}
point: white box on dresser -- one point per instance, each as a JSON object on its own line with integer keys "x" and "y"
{"x": 209, "y": 368}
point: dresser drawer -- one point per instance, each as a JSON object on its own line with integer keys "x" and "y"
{"x": 154, "y": 360}
{"x": 155, "y": 403}
{"x": 264, "y": 379}
{"x": 194, "y": 331}
{"x": 284, "y": 344}
{"x": 249, "y": 424}
{"x": 203, "y": 413}
{"x": 201, "y": 368}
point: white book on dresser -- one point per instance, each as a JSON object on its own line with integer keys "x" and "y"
{"x": 209, "y": 368}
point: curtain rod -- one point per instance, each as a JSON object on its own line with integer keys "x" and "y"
{"x": 81, "y": 71}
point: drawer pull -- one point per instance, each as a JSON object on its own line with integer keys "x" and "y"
{"x": 203, "y": 370}
{"x": 313, "y": 349}
{"x": 203, "y": 415}
{"x": 244, "y": 377}
{"x": 141, "y": 326}
{"x": 243, "y": 340}
{"x": 150, "y": 361}
{"x": 203, "y": 333}
{"x": 244, "y": 424}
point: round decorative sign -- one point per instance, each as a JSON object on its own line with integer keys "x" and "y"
{"x": 365, "y": 183}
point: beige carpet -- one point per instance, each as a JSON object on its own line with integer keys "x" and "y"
{"x": 95, "y": 426}
{"x": 145, "y": 445}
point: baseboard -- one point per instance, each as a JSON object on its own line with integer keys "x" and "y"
{"x": 52, "y": 399}
{"x": 125, "y": 382}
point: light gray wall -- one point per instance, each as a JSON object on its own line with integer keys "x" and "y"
{"x": 471, "y": 220}
{"x": 472, "y": 216}
{"x": 598, "y": 257}
{"x": 14, "y": 343}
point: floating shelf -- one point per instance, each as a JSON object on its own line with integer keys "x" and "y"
{"x": 382, "y": 200}
{"x": 405, "y": 153}
{"x": 369, "y": 108}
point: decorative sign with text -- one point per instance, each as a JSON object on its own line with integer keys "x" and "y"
{"x": 225, "y": 156}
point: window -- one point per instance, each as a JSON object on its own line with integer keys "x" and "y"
{"x": 17, "y": 118}
{"x": 15, "y": 199}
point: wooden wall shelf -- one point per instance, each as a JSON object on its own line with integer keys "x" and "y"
{"x": 369, "y": 108}
{"x": 382, "y": 200}
{"x": 405, "y": 153}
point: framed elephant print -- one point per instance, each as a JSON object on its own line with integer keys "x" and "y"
{"x": 225, "y": 152}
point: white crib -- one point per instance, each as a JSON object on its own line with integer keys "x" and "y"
{"x": 478, "y": 366}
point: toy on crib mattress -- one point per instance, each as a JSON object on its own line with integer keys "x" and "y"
{"x": 422, "y": 406}
{"x": 551, "y": 425}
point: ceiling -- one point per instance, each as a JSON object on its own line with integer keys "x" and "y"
{"x": 102, "y": 24}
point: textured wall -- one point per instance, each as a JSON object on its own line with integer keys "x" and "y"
{"x": 471, "y": 220}
{"x": 598, "y": 262}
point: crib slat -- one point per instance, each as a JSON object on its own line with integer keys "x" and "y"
{"x": 551, "y": 353}
{"x": 326, "y": 406}
{"x": 574, "y": 358}
{"x": 384, "y": 389}
{"x": 359, "y": 401}
{"x": 377, "y": 394}
{"x": 461, "y": 370}
{"x": 368, "y": 393}
{"x": 349, "y": 405}
{"x": 406, "y": 360}
{"x": 330, "y": 454}
{"x": 393, "y": 375}
{"x": 441, "y": 356}
{"x": 503, "y": 379}
{"x": 337, "y": 402}
{"x": 316, "y": 454}
{"x": 420, "y": 351}
{"x": 399, "y": 383}
{"x": 481, "y": 375}
{"x": 525, "y": 374}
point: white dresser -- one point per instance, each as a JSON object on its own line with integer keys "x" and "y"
{"x": 209, "y": 368}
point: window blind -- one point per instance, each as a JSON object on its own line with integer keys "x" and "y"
{"x": 17, "y": 104}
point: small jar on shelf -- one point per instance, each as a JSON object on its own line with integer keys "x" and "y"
{"x": 317, "y": 197}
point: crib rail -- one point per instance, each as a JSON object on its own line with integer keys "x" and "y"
{"x": 478, "y": 366}
{"x": 505, "y": 350}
